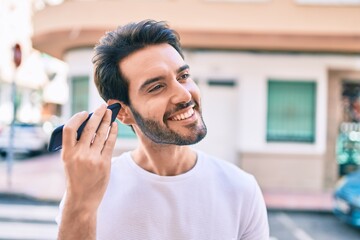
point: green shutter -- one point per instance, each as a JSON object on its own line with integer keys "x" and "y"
{"x": 125, "y": 131}
{"x": 79, "y": 94}
{"x": 291, "y": 111}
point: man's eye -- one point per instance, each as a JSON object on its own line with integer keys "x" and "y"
{"x": 184, "y": 76}
{"x": 155, "y": 88}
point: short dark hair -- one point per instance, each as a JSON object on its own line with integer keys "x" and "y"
{"x": 120, "y": 43}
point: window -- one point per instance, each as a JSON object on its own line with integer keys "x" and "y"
{"x": 222, "y": 82}
{"x": 79, "y": 94}
{"x": 291, "y": 111}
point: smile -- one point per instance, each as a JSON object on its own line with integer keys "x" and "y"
{"x": 184, "y": 115}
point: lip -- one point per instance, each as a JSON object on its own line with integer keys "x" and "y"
{"x": 181, "y": 112}
{"x": 185, "y": 122}
{"x": 190, "y": 119}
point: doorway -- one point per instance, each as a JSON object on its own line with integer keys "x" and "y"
{"x": 219, "y": 97}
{"x": 348, "y": 140}
{"x": 343, "y": 124}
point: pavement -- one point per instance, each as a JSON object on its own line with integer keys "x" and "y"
{"x": 42, "y": 178}
{"x": 305, "y": 201}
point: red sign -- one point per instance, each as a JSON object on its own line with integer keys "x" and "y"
{"x": 17, "y": 55}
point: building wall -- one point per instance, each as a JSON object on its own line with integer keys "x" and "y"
{"x": 236, "y": 115}
{"x": 286, "y": 172}
{"x": 253, "y": 16}
{"x": 301, "y": 164}
{"x": 210, "y": 24}
{"x": 79, "y": 61}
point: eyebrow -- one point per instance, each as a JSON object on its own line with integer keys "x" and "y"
{"x": 182, "y": 68}
{"x": 155, "y": 79}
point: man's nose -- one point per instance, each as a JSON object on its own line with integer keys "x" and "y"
{"x": 180, "y": 93}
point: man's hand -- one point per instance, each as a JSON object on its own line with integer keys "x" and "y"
{"x": 87, "y": 166}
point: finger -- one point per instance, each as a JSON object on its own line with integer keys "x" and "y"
{"x": 102, "y": 132}
{"x": 71, "y": 127}
{"x": 110, "y": 141}
{"x": 92, "y": 125}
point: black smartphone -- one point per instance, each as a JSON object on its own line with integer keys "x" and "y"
{"x": 56, "y": 136}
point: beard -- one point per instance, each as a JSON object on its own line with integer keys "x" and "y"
{"x": 160, "y": 132}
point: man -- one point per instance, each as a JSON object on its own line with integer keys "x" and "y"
{"x": 162, "y": 190}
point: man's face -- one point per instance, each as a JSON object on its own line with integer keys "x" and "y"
{"x": 164, "y": 100}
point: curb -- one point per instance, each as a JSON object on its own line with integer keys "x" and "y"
{"x": 21, "y": 198}
{"x": 300, "y": 210}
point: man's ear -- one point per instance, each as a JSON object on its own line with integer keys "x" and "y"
{"x": 125, "y": 116}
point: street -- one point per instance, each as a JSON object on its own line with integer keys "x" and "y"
{"x": 27, "y": 220}
{"x": 309, "y": 226}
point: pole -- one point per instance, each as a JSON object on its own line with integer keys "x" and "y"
{"x": 10, "y": 154}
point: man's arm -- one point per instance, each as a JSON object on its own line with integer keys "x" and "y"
{"x": 258, "y": 225}
{"x": 87, "y": 168}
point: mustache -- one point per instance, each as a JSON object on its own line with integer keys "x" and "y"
{"x": 179, "y": 107}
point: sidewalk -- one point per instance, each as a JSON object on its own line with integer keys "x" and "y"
{"x": 43, "y": 178}
{"x": 40, "y": 177}
{"x": 321, "y": 202}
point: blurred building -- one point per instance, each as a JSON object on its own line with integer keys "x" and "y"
{"x": 272, "y": 75}
{"x": 34, "y": 78}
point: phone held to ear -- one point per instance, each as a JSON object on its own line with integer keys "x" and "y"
{"x": 56, "y": 136}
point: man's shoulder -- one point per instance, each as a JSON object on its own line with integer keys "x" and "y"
{"x": 224, "y": 169}
{"x": 119, "y": 160}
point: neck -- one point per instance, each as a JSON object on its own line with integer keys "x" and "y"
{"x": 164, "y": 159}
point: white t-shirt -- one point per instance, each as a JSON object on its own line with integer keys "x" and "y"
{"x": 215, "y": 200}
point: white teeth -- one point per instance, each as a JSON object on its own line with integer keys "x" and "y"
{"x": 183, "y": 116}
